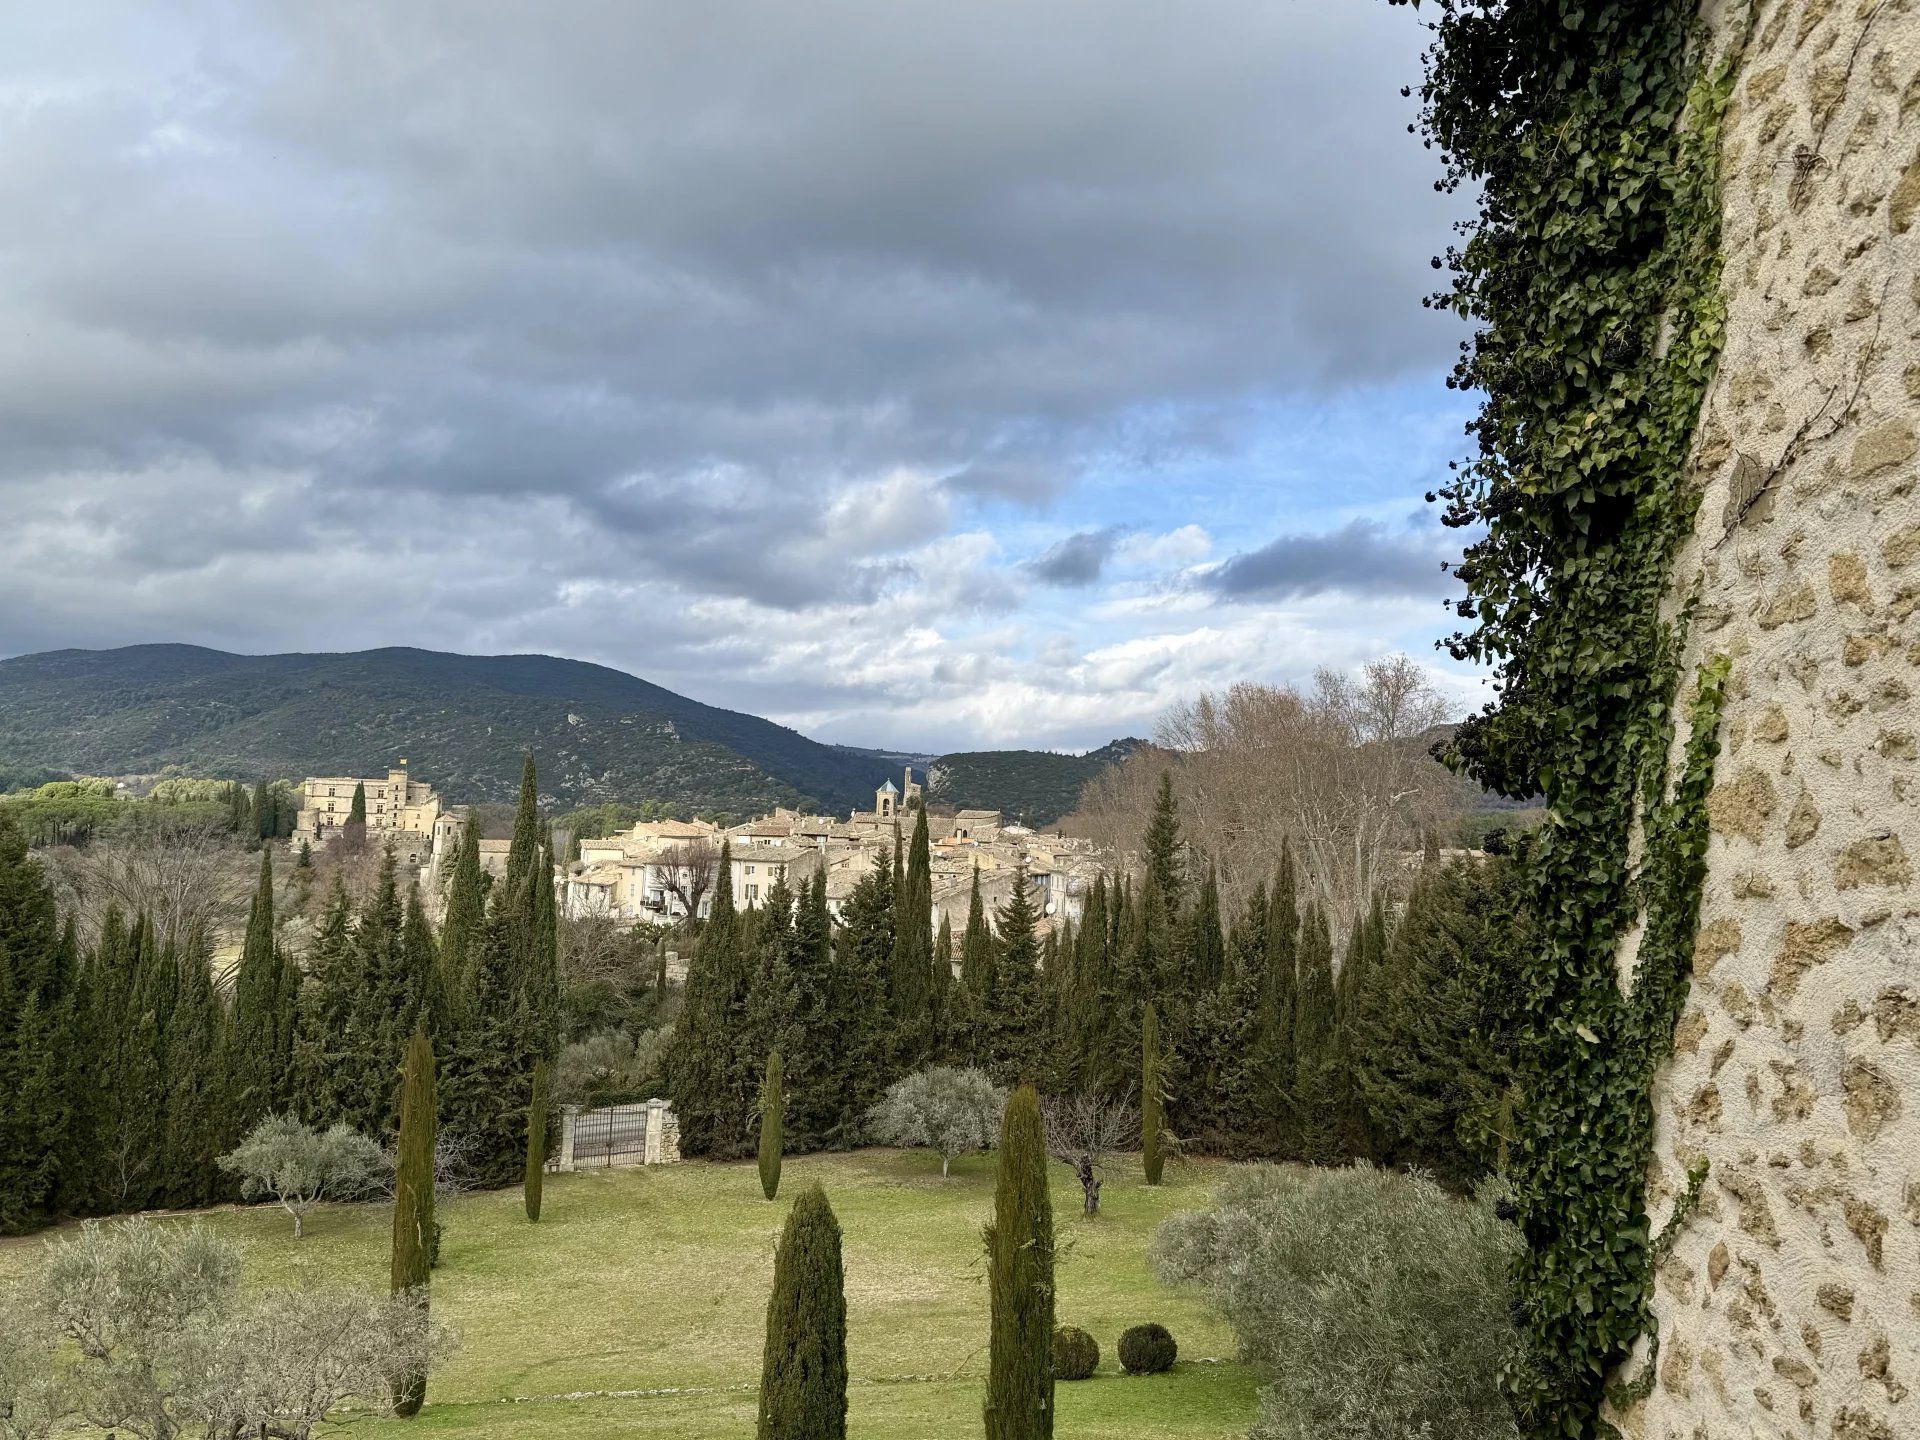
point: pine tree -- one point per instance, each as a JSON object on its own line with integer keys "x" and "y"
{"x": 772, "y": 1127}
{"x": 1020, "y": 1280}
{"x": 413, "y": 1220}
{"x": 1316, "y": 1097}
{"x": 1014, "y": 1017}
{"x": 1152, "y": 1100}
{"x": 537, "y": 1107}
{"x": 803, "y": 1370}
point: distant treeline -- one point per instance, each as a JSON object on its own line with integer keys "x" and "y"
{"x": 73, "y": 811}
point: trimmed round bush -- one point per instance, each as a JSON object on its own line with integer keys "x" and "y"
{"x": 1147, "y": 1350}
{"x": 1076, "y": 1354}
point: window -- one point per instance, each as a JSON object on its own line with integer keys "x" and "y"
{"x": 747, "y": 871}
{"x": 753, "y": 893}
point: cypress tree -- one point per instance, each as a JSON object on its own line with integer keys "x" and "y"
{"x": 1152, "y": 1116}
{"x": 413, "y": 1197}
{"x": 803, "y": 1370}
{"x": 524, "y": 851}
{"x": 711, "y": 1095}
{"x": 772, "y": 1127}
{"x": 536, "y": 1141}
{"x": 1279, "y": 1002}
{"x": 33, "y": 1034}
{"x": 1315, "y": 1050}
{"x": 1020, "y": 1280}
{"x": 943, "y": 988}
{"x": 1206, "y": 938}
{"x": 384, "y": 1007}
{"x": 862, "y": 1037}
{"x": 912, "y": 979}
{"x": 320, "y": 1091}
{"x": 266, "y": 814}
{"x": 808, "y": 1060}
{"x": 976, "y": 946}
{"x": 258, "y": 1055}
{"x": 466, "y": 919}
{"x": 195, "y": 1110}
{"x": 354, "y": 832}
{"x": 487, "y": 1060}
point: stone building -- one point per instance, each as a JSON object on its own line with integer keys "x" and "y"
{"x": 397, "y": 806}
{"x": 1790, "y": 1304}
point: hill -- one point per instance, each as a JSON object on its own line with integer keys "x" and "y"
{"x": 1035, "y": 787}
{"x": 462, "y": 721}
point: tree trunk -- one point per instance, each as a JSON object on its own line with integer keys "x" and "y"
{"x": 1089, "y": 1186}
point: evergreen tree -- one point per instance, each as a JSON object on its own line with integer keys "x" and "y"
{"x": 1152, "y": 1098}
{"x": 466, "y": 919}
{"x": 488, "y": 1059}
{"x": 266, "y": 813}
{"x": 1206, "y": 939}
{"x": 1014, "y": 1019}
{"x": 195, "y": 1116}
{"x": 810, "y": 1065}
{"x": 1166, "y": 852}
{"x": 1438, "y": 1027}
{"x": 35, "y": 1013}
{"x": 384, "y": 1006}
{"x": 772, "y": 1127}
{"x": 770, "y": 1003}
{"x": 862, "y": 1035}
{"x": 803, "y": 1370}
{"x": 413, "y": 1220}
{"x": 1316, "y": 1097}
{"x": 912, "y": 979}
{"x": 946, "y": 1004}
{"x": 1274, "y": 1028}
{"x": 354, "y": 832}
{"x": 711, "y": 1094}
{"x": 321, "y": 1072}
{"x": 976, "y": 946}
{"x": 537, "y": 1107}
{"x": 264, "y": 993}
{"x": 1020, "y": 1280}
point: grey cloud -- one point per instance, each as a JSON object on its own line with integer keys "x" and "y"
{"x": 1362, "y": 557}
{"x": 1076, "y": 560}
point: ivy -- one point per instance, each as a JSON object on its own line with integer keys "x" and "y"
{"x": 1591, "y": 275}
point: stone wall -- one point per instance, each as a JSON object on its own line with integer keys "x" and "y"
{"x": 1791, "y": 1302}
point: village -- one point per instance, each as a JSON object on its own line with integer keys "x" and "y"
{"x": 661, "y": 872}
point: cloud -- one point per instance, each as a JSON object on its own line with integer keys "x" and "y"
{"x": 1362, "y": 557}
{"x": 1076, "y": 560}
{"x": 742, "y": 345}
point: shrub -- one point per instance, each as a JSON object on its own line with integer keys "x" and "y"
{"x": 1147, "y": 1350}
{"x": 1076, "y": 1354}
{"x": 1377, "y": 1304}
{"x": 299, "y": 1166}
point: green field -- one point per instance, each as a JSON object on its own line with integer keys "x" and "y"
{"x": 637, "y": 1304}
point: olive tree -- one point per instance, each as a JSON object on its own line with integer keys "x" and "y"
{"x": 1082, "y": 1131}
{"x": 140, "y": 1329}
{"x": 943, "y": 1107}
{"x": 298, "y": 1166}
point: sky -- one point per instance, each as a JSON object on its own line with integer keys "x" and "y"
{"x": 935, "y": 376}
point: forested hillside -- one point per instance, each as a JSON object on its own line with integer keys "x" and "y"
{"x": 1035, "y": 787}
{"x": 463, "y": 721}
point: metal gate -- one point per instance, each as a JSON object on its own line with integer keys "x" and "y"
{"x": 616, "y": 1135}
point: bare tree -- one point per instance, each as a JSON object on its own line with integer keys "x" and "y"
{"x": 192, "y": 879}
{"x": 1341, "y": 774}
{"x": 686, "y": 872}
{"x": 1082, "y": 1131}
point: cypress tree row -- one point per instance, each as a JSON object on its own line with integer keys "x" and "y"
{"x": 413, "y": 1197}
{"x": 803, "y": 1369}
{"x": 1019, "y": 1240}
{"x": 36, "y": 1030}
{"x": 537, "y": 1106}
{"x": 772, "y": 1127}
{"x": 1152, "y": 1112}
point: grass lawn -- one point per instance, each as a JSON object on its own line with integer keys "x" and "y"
{"x": 655, "y": 1281}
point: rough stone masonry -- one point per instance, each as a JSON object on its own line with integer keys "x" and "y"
{"x": 1790, "y": 1305}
